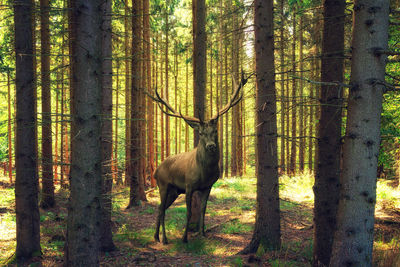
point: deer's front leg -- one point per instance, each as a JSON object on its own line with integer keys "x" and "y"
{"x": 189, "y": 194}
{"x": 204, "y": 197}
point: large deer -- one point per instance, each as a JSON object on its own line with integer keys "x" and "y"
{"x": 196, "y": 170}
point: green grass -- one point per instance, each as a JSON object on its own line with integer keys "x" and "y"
{"x": 196, "y": 246}
{"x": 387, "y": 196}
{"x": 235, "y": 227}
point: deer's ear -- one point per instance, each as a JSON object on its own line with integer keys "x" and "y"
{"x": 194, "y": 125}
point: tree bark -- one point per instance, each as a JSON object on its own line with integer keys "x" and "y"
{"x": 26, "y": 181}
{"x": 84, "y": 211}
{"x": 9, "y": 129}
{"x": 199, "y": 82}
{"x": 47, "y": 200}
{"x": 127, "y": 96}
{"x": 134, "y": 166}
{"x": 293, "y": 149}
{"x": 267, "y": 227}
{"x": 353, "y": 241}
{"x": 106, "y": 242}
{"x": 327, "y": 173}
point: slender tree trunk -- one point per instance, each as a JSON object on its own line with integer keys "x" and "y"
{"x": 117, "y": 176}
{"x": 9, "y": 129}
{"x": 282, "y": 87}
{"x": 326, "y": 187}
{"x": 150, "y": 106}
{"x": 134, "y": 166}
{"x": 106, "y": 242}
{"x": 301, "y": 99}
{"x": 47, "y": 200}
{"x": 167, "y": 131}
{"x": 127, "y": 96}
{"x": 293, "y": 148}
{"x": 84, "y": 212}
{"x": 56, "y": 162}
{"x": 187, "y": 101}
{"x": 26, "y": 181}
{"x": 267, "y": 227}
{"x": 354, "y": 236}
{"x": 199, "y": 81}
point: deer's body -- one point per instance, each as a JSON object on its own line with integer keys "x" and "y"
{"x": 186, "y": 173}
{"x": 192, "y": 171}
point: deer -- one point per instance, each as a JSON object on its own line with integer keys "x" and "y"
{"x": 196, "y": 170}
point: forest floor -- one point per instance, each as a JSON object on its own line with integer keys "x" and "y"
{"x": 229, "y": 220}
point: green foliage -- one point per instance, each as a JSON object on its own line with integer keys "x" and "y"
{"x": 196, "y": 246}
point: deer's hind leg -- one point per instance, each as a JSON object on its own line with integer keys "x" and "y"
{"x": 161, "y": 210}
{"x": 172, "y": 194}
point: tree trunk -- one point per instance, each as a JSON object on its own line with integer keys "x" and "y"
{"x": 267, "y": 227}
{"x": 282, "y": 87}
{"x": 167, "y": 131}
{"x": 106, "y": 242}
{"x": 134, "y": 166}
{"x": 9, "y": 129}
{"x": 47, "y": 200}
{"x": 84, "y": 211}
{"x": 293, "y": 148}
{"x": 127, "y": 96}
{"x": 353, "y": 241}
{"x": 26, "y": 181}
{"x": 150, "y": 106}
{"x": 199, "y": 81}
{"x": 301, "y": 99}
{"x": 326, "y": 187}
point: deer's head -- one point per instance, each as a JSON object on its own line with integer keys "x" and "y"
{"x": 207, "y": 129}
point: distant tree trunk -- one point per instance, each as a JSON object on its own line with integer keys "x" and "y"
{"x": 187, "y": 101}
{"x": 150, "y": 106}
{"x": 176, "y": 69}
{"x": 9, "y": 129}
{"x": 47, "y": 200}
{"x": 220, "y": 90}
{"x": 134, "y": 166}
{"x": 199, "y": 80}
{"x": 84, "y": 212}
{"x": 282, "y": 87}
{"x": 293, "y": 148}
{"x": 167, "y": 131}
{"x": 327, "y": 174}
{"x": 235, "y": 109}
{"x": 127, "y": 96}
{"x": 106, "y": 242}
{"x": 227, "y": 114}
{"x": 116, "y": 175}
{"x": 267, "y": 227}
{"x": 26, "y": 181}
{"x": 353, "y": 241}
{"x": 56, "y": 163}
{"x": 301, "y": 99}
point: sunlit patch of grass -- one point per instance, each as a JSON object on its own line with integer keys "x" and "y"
{"x": 195, "y": 246}
{"x": 235, "y": 227}
{"x": 387, "y": 197}
{"x": 7, "y": 224}
{"x": 297, "y": 188}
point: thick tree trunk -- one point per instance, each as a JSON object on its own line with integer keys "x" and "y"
{"x": 84, "y": 211}
{"x": 326, "y": 187}
{"x": 106, "y": 242}
{"x": 47, "y": 200}
{"x": 267, "y": 227}
{"x": 199, "y": 80}
{"x": 26, "y": 181}
{"x": 353, "y": 239}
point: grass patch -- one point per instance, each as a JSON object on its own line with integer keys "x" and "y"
{"x": 387, "y": 197}
{"x": 195, "y": 246}
{"x": 236, "y": 227}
